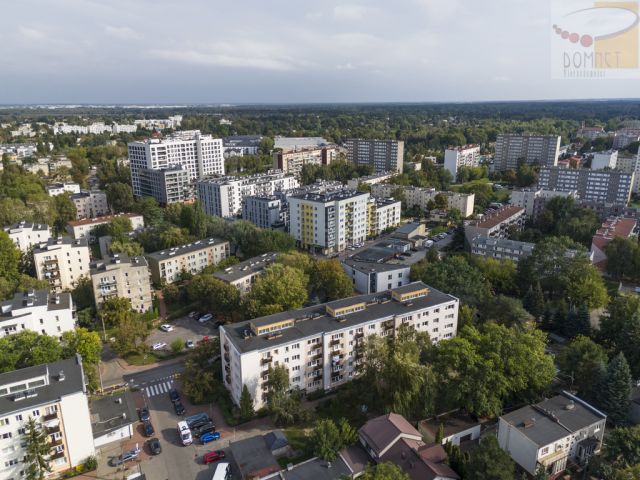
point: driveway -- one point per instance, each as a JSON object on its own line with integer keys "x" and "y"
{"x": 184, "y": 328}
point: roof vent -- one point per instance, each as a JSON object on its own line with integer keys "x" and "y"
{"x": 61, "y": 376}
{"x": 529, "y": 423}
{"x": 570, "y": 406}
{"x": 119, "y": 400}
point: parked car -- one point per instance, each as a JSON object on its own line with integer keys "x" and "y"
{"x": 190, "y": 344}
{"x": 213, "y": 456}
{"x": 144, "y": 414}
{"x": 209, "y": 437}
{"x": 148, "y": 429}
{"x": 166, "y": 327}
{"x": 197, "y": 420}
{"x": 125, "y": 457}
{"x": 159, "y": 345}
{"x": 193, "y": 314}
{"x": 205, "y": 318}
{"x": 174, "y": 396}
{"x": 179, "y": 408}
{"x": 154, "y": 446}
{"x": 202, "y": 429}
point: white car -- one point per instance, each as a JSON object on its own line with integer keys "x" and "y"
{"x": 159, "y": 346}
{"x": 205, "y": 318}
{"x": 166, "y": 327}
{"x": 190, "y": 344}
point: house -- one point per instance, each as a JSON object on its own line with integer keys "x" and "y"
{"x": 410, "y": 230}
{"x": 553, "y": 433}
{"x": 458, "y": 427}
{"x": 254, "y": 458}
{"x": 113, "y": 418}
{"x": 391, "y": 438}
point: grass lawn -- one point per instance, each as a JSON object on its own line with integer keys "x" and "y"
{"x": 300, "y": 441}
{"x": 141, "y": 358}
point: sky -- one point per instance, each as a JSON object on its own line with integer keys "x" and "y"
{"x": 284, "y": 51}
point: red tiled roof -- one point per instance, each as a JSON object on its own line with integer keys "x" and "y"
{"x": 500, "y": 216}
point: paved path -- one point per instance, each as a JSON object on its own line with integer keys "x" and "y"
{"x": 116, "y": 371}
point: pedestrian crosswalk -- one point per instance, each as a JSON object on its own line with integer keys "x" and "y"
{"x": 157, "y": 388}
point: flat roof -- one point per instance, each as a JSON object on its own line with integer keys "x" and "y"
{"x": 329, "y": 196}
{"x": 103, "y": 219}
{"x": 453, "y": 423}
{"x": 11, "y": 309}
{"x": 248, "y": 267}
{"x": 117, "y": 260}
{"x": 53, "y": 241}
{"x": 318, "y": 469}
{"x": 503, "y": 242}
{"x": 26, "y": 225}
{"x": 51, "y": 392}
{"x": 314, "y": 320}
{"x": 187, "y": 248}
{"x": 371, "y": 267}
{"x": 554, "y": 418}
{"x": 112, "y": 412}
{"x": 617, "y": 227}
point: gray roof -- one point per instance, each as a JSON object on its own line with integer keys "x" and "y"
{"x": 374, "y": 267}
{"x": 329, "y": 196}
{"x": 242, "y": 141}
{"x": 314, "y": 320}
{"x": 53, "y": 241}
{"x": 503, "y": 242}
{"x": 33, "y": 298}
{"x": 276, "y": 440}
{"x": 407, "y": 228}
{"x": 107, "y": 413}
{"x": 187, "y": 248}
{"x": 247, "y": 267}
{"x": 318, "y": 469}
{"x": 116, "y": 260}
{"x": 553, "y": 418}
{"x": 27, "y": 225}
{"x": 51, "y": 392}
{"x": 374, "y": 254}
{"x": 252, "y": 456}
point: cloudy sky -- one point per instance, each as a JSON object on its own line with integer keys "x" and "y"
{"x": 244, "y": 51}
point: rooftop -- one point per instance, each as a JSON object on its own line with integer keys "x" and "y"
{"x": 374, "y": 267}
{"x": 503, "y": 243}
{"x": 314, "y": 320}
{"x": 501, "y": 215}
{"x": 453, "y": 423}
{"x": 54, "y": 242}
{"x": 101, "y": 220}
{"x": 253, "y": 457}
{"x": 187, "y": 248}
{"x": 381, "y": 431}
{"x": 41, "y": 384}
{"x": 112, "y": 412}
{"x": 287, "y": 143}
{"x": 179, "y": 136}
{"x": 554, "y": 418}
{"x": 318, "y": 469}
{"x": 22, "y": 302}
{"x": 248, "y": 267}
{"x": 116, "y": 261}
{"x": 257, "y": 178}
{"x": 24, "y": 225}
{"x": 616, "y": 227}
{"x": 329, "y": 196}
{"x": 464, "y": 147}
{"x": 242, "y": 141}
{"x": 408, "y": 228}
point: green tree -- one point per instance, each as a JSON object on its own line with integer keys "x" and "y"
{"x": 177, "y": 345}
{"x": 82, "y": 293}
{"x": 149, "y": 209}
{"x": 84, "y": 342}
{"x": 64, "y": 210}
{"x": 505, "y": 311}
{"x": 126, "y": 247}
{"x": 278, "y": 289}
{"x": 620, "y": 330}
{"x": 113, "y": 310}
{"x": 384, "y": 471}
{"x": 489, "y": 462}
{"x": 36, "y": 451}
{"x": 441, "y": 201}
{"x": 214, "y": 295}
{"x": 623, "y": 258}
{"x": 581, "y": 360}
{"x": 26, "y": 349}
{"x": 326, "y": 440}
{"x": 120, "y": 197}
{"x": 119, "y": 227}
{"x": 299, "y": 260}
{"x": 9, "y": 257}
{"x": 622, "y": 448}
{"x": 246, "y": 404}
{"x": 440, "y": 433}
{"x": 171, "y": 293}
{"x": 131, "y": 331}
{"x": 501, "y": 274}
{"x": 615, "y": 392}
{"x": 348, "y": 434}
{"x": 328, "y": 277}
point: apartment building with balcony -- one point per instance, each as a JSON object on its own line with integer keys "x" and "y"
{"x": 552, "y": 434}
{"x": 501, "y": 248}
{"x": 533, "y": 200}
{"x": 40, "y": 311}
{"x": 124, "y": 277}
{"x": 224, "y": 196}
{"x": 167, "y": 265}
{"x": 62, "y": 261}
{"x": 269, "y": 211}
{"x": 603, "y": 186}
{"x": 27, "y": 234}
{"x": 512, "y": 149}
{"x": 291, "y": 160}
{"x": 329, "y": 221}
{"x": 322, "y": 346}
{"x": 464, "y": 156}
{"x": 630, "y": 164}
{"x": 382, "y": 155}
{"x": 55, "y": 395}
{"x": 90, "y": 204}
{"x": 384, "y": 213}
{"x": 496, "y": 223}
{"x": 244, "y": 274}
{"x": 85, "y": 228}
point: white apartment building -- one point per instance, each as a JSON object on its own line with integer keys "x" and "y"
{"x": 384, "y": 213}
{"x": 322, "y": 346}
{"x": 167, "y": 265}
{"x": 603, "y": 186}
{"x": 202, "y": 155}
{"x": 84, "y": 228}
{"x": 374, "y": 277}
{"x": 268, "y": 212}
{"x": 420, "y": 197}
{"x": 163, "y": 123}
{"x": 55, "y": 395}
{"x": 382, "y": 155}
{"x": 23, "y": 130}
{"x": 224, "y": 196}
{"x": 244, "y": 274}
{"x": 511, "y": 149}
{"x": 329, "y": 221}
{"x": 631, "y": 165}
{"x": 117, "y": 128}
{"x": 90, "y": 204}
{"x": 552, "y": 434}
{"x": 625, "y": 136}
{"x": 604, "y": 160}
{"x": 124, "y": 277}
{"x": 241, "y": 145}
{"x": 500, "y": 248}
{"x": 60, "y": 188}
{"x": 294, "y": 143}
{"x": 496, "y": 224}
{"x": 464, "y": 156}
{"x": 292, "y": 160}
{"x": 39, "y": 311}
{"x": 533, "y": 200}
{"x": 372, "y": 179}
{"x": 61, "y": 261}
{"x": 27, "y": 234}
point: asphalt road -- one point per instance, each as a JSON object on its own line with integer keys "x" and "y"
{"x": 184, "y": 328}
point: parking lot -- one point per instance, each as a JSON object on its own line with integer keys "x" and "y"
{"x": 184, "y": 328}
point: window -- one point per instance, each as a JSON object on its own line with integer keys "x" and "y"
{"x": 4, "y": 421}
{"x": 6, "y": 435}
{"x": 19, "y": 418}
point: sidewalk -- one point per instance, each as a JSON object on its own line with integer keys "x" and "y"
{"x": 113, "y": 370}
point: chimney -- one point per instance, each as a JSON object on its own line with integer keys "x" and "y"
{"x": 61, "y": 376}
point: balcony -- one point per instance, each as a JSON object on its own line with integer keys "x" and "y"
{"x": 266, "y": 360}
{"x": 227, "y": 368}
{"x": 334, "y": 342}
{"x": 226, "y": 347}
{"x": 56, "y": 455}
{"x": 227, "y": 379}
{"x": 50, "y": 416}
{"x": 359, "y": 335}
{"x": 54, "y": 429}
{"x": 226, "y": 357}
{"x": 55, "y": 443}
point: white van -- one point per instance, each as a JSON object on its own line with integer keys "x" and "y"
{"x": 184, "y": 433}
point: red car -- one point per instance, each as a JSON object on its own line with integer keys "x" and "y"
{"x": 213, "y": 456}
